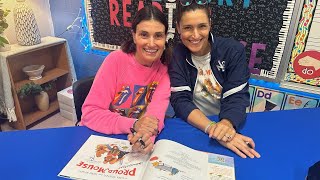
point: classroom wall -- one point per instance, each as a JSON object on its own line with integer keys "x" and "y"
{"x": 263, "y": 97}
{"x": 63, "y": 14}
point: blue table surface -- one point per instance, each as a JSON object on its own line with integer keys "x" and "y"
{"x": 288, "y": 142}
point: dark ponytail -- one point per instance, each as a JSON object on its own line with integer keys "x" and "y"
{"x": 167, "y": 53}
{"x": 128, "y": 46}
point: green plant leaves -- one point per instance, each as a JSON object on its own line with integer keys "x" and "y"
{"x": 29, "y": 89}
{"x": 3, "y": 41}
{"x": 47, "y": 86}
{"x": 34, "y": 89}
{"x": 3, "y": 14}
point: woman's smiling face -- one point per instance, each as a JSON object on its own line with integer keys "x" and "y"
{"x": 194, "y": 29}
{"x": 150, "y": 38}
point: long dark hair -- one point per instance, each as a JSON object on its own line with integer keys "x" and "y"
{"x": 192, "y": 7}
{"x": 149, "y": 12}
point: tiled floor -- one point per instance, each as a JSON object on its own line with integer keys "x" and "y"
{"x": 53, "y": 121}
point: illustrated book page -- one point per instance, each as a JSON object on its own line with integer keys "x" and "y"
{"x": 220, "y": 167}
{"x": 109, "y": 158}
{"x": 105, "y": 158}
{"x": 173, "y": 161}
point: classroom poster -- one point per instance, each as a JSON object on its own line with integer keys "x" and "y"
{"x": 267, "y": 100}
{"x": 304, "y": 64}
{"x": 298, "y": 102}
{"x": 260, "y": 25}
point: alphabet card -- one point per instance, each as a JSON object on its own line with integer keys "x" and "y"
{"x": 298, "y": 102}
{"x": 252, "y": 90}
{"x": 267, "y": 100}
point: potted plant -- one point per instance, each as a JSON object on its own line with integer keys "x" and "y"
{"x": 40, "y": 96}
{"x": 4, "y": 43}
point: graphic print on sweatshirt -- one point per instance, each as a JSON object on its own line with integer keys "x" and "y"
{"x": 141, "y": 96}
{"x": 138, "y": 95}
{"x": 151, "y": 88}
{"x": 122, "y": 95}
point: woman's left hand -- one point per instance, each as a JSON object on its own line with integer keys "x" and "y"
{"x": 222, "y": 131}
{"x": 148, "y": 123}
{"x": 240, "y": 146}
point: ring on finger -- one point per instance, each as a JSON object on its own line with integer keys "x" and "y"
{"x": 228, "y": 136}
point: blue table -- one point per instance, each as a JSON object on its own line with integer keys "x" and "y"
{"x": 287, "y": 140}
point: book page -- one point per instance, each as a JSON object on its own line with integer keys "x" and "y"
{"x": 220, "y": 167}
{"x": 105, "y": 158}
{"x": 171, "y": 160}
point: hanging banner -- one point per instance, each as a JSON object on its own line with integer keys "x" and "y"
{"x": 260, "y": 25}
{"x": 304, "y": 64}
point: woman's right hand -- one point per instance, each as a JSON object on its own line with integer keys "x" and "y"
{"x": 147, "y": 123}
{"x": 239, "y": 145}
{"x": 222, "y": 131}
{"x": 137, "y": 146}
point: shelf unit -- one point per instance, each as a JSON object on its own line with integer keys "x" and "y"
{"x": 46, "y": 77}
{"x": 53, "y": 54}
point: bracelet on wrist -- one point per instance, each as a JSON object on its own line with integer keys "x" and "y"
{"x": 134, "y": 124}
{"x": 208, "y": 126}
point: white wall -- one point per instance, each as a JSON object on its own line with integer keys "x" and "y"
{"x": 41, "y": 10}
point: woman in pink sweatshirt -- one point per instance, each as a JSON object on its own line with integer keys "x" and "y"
{"x": 132, "y": 88}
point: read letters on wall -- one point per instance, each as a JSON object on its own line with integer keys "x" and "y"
{"x": 260, "y": 25}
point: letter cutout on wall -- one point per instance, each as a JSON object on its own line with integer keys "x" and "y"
{"x": 261, "y": 25}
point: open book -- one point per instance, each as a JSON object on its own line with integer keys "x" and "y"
{"x": 109, "y": 158}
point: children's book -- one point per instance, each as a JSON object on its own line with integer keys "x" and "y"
{"x": 109, "y": 158}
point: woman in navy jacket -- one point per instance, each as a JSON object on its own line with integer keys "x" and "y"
{"x": 210, "y": 76}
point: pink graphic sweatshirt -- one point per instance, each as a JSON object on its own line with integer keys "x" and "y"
{"x": 123, "y": 91}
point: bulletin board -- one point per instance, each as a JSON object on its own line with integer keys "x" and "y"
{"x": 303, "y": 70}
{"x": 260, "y": 25}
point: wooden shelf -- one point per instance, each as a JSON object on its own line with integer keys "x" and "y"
{"x": 36, "y": 115}
{"x": 53, "y": 54}
{"x": 46, "y": 77}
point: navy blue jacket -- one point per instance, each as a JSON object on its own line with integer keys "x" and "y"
{"x": 230, "y": 68}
